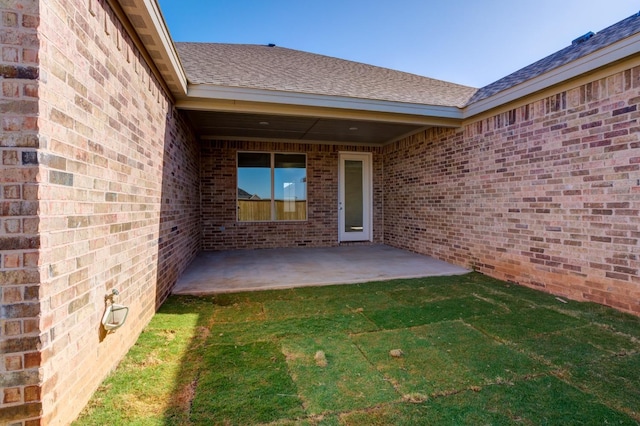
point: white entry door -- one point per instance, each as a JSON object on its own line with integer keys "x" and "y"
{"x": 355, "y": 197}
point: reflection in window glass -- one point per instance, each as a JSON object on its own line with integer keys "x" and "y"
{"x": 290, "y": 186}
{"x": 254, "y": 186}
{"x": 272, "y": 187}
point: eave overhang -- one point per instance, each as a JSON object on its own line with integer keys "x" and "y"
{"x": 148, "y": 29}
{"x": 233, "y": 99}
{"x": 307, "y": 118}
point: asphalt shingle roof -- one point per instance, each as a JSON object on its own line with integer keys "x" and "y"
{"x": 604, "y": 38}
{"x": 282, "y": 69}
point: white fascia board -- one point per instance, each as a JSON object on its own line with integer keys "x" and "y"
{"x": 207, "y": 91}
{"x": 588, "y": 63}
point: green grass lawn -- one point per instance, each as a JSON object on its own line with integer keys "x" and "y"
{"x": 474, "y": 350}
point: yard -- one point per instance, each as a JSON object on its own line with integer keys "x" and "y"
{"x": 448, "y": 350}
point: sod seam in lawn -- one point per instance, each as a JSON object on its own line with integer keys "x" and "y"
{"x": 446, "y": 350}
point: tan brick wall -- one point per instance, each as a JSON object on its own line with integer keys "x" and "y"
{"x": 103, "y": 187}
{"x": 112, "y": 170}
{"x": 546, "y": 194}
{"x": 19, "y": 239}
{"x": 321, "y": 229}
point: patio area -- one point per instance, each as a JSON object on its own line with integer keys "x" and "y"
{"x": 247, "y": 270}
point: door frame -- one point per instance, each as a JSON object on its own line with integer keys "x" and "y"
{"x": 367, "y": 196}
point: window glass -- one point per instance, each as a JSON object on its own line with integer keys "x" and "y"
{"x": 272, "y": 186}
{"x": 254, "y": 186}
{"x": 353, "y": 193}
{"x": 290, "y": 186}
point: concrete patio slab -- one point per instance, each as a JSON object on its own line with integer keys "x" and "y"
{"x": 246, "y": 270}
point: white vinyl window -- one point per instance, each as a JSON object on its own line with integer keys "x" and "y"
{"x": 271, "y": 187}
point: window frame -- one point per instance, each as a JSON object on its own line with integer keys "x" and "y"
{"x": 273, "y": 208}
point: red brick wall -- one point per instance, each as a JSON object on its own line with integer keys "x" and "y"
{"x": 218, "y": 180}
{"x": 546, "y": 194}
{"x": 105, "y": 194}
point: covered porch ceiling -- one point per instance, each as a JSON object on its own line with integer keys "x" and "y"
{"x": 228, "y": 114}
{"x": 210, "y": 125}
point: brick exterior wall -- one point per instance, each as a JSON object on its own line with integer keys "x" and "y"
{"x": 546, "y": 194}
{"x": 100, "y": 190}
{"x": 19, "y": 239}
{"x": 103, "y": 187}
{"x": 218, "y": 180}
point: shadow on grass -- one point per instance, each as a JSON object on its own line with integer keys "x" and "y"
{"x": 473, "y": 351}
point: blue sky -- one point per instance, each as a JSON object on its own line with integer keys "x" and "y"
{"x": 472, "y": 42}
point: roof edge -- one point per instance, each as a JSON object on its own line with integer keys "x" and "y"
{"x": 212, "y": 92}
{"x": 147, "y": 20}
{"x": 586, "y": 64}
